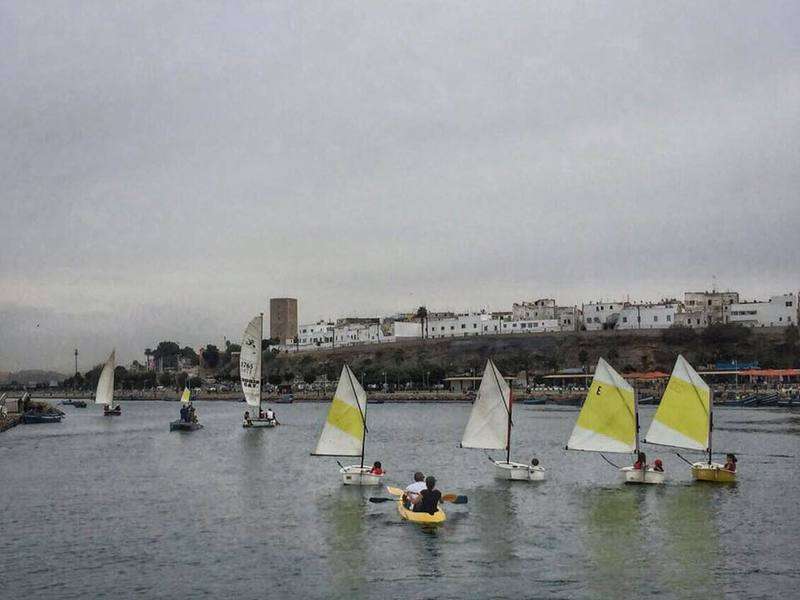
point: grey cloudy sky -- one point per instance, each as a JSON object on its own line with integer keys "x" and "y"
{"x": 167, "y": 167}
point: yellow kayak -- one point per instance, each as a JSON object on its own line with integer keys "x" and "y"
{"x": 416, "y": 517}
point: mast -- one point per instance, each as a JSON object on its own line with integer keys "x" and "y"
{"x": 636, "y": 418}
{"x": 363, "y": 414}
{"x": 508, "y": 435}
{"x": 710, "y": 421}
{"x": 260, "y": 338}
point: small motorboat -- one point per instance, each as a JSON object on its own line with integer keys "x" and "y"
{"x": 74, "y": 403}
{"x": 533, "y": 401}
{"x": 179, "y": 425}
{"x": 34, "y": 418}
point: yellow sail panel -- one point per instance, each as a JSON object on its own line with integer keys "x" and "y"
{"x": 682, "y": 418}
{"x": 607, "y": 421}
{"x": 343, "y": 432}
{"x": 186, "y": 396}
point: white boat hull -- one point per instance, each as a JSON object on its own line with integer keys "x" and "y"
{"x": 513, "y": 471}
{"x": 646, "y": 476}
{"x": 258, "y": 423}
{"x": 357, "y": 475}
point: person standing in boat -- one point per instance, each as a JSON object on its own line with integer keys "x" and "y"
{"x": 429, "y": 498}
{"x": 184, "y": 413}
{"x": 247, "y": 420}
{"x": 270, "y": 416}
{"x": 730, "y": 462}
{"x": 413, "y": 489}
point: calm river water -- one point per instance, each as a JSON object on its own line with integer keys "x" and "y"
{"x": 120, "y": 507}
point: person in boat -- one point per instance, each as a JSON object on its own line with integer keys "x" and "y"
{"x": 534, "y": 462}
{"x": 730, "y": 462}
{"x": 270, "y": 416}
{"x": 185, "y": 414}
{"x": 641, "y": 462}
{"x": 658, "y": 465}
{"x": 192, "y": 413}
{"x": 413, "y": 489}
{"x": 377, "y": 468}
{"x": 429, "y": 498}
{"x": 247, "y": 420}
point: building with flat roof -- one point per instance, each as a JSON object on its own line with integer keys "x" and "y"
{"x": 283, "y": 319}
{"x": 778, "y": 311}
{"x": 712, "y": 306}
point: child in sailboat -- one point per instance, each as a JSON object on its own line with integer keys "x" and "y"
{"x": 247, "y": 420}
{"x": 377, "y": 469}
{"x": 658, "y": 465}
{"x": 730, "y": 462}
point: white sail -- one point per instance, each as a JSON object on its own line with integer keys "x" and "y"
{"x": 186, "y": 397}
{"x": 250, "y": 361}
{"x": 345, "y": 426}
{"x": 105, "y": 385}
{"x": 488, "y": 423}
{"x": 607, "y": 421}
{"x": 683, "y": 415}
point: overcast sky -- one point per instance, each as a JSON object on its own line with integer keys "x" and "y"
{"x": 166, "y": 168}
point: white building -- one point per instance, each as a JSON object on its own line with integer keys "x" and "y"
{"x": 601, "y": 315}
{"x": 778, "y": 311}
{"x": 648, "y": 316}
{"x": 695, "y": 319}
{"x": 539, "y": 326}
{"x": 316, "y": 334}
{"x": 543, "y": 308}
{"x": 462, "y": 325}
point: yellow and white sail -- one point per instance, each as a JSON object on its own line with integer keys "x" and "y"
{"x": 607, "y": 421}
{"x": 250, "y": 361}
{"x": 488, "y": 422}
{"x": 684, "y": 413}
{"x": 186, "y": 397}
{"x": 344, "y": 429}
{"x": 104, "y": 394}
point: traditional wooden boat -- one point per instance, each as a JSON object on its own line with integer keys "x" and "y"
{"x": 490, "y": 423}
{"x": 345, "y": 430}
{"x": 104, "y": 394}
{"x": 609, "y": 422}
{"x": 685, "y": 419}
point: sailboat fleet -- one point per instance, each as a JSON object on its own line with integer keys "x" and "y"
{"x": 608, "y": 422}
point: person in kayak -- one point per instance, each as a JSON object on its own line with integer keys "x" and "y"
{"x": 730, "y": 462}
{"x": 413, "y": 489}
{"x": 429, "y": 498}
{"x": 377, "y": 468}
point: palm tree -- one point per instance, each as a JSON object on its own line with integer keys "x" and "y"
{"x": 422, "y": 315}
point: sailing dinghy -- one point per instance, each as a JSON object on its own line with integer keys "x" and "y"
{"x": 684, "y": 419}
{"x": 105, "y": 388}
{"x": 250, "y": 372}
{"x": 345, "y": 430}
{"x": 609, "y": 422}
{"x": 489, "y": 426}
{"x": 180, "y": 424}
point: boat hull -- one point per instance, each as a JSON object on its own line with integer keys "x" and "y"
{"x": 357, "y": 475}
{"x": 639, "y": 476}
{"x": 714, "y": 472}
{"x": 38, "y": 419}
{"x": 421, "y": 517}
{"x": 184, "y": 426}
{"x": 513, "y": 471}
{"x": 114, "y": 412}
{"x": 257, "y": 423}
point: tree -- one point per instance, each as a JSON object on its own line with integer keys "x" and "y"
{"x": 274, "y": 379}
{"x": 310, "y": 376}
{"x": 180, "y": 380}
{"x": 195, "y": 382}
{"x": 422, "y": 315}
{"x": 165, "y": 379}
{"x": 190, "y": 356}
{"x": 288, "y": 377}
{"x": 211, "y": 356}
{"x": 120, "y": 377}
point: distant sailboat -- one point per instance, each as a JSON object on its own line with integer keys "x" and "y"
{"x": 345, "y": 430}
{"x": 250, "y": 372}
{"x": 684, "y": 419}
{"x": 490, "y": 423}
{"x": 190, "y": 422}
{"x": 609, "y": 422}
{"x": 105, "y": 388}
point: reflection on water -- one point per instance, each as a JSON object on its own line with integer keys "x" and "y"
{"x": 342, "y": 514}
